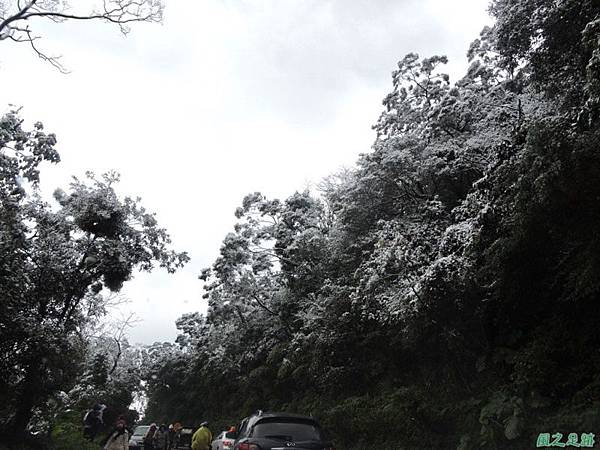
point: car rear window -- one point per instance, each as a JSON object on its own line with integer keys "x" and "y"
{"x": 287, "y": 431}
{"x": 229, "y": 435}
{"x": 140, "y": 431}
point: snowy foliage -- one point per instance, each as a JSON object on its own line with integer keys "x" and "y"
{"x": 59, "y": 262}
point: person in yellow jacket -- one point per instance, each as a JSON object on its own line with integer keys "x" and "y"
{"x": 202, "y": 438}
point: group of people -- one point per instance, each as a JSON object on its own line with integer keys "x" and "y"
{"x": 161, "y": 437}
{"x": 156, "y": 438}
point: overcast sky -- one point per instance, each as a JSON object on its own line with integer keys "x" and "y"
{"x": 225, "y": 98}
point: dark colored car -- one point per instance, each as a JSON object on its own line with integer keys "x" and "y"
{"x": 280, "y": 431}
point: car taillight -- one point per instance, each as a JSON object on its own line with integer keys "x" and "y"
{"x": 245, "y": 446}
{"x": 227, "y": 443}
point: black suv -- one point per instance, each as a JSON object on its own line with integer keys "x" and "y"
{"x": 280, "y": 431}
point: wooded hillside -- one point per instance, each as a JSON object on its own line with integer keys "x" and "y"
{"x": 442, "y": 294}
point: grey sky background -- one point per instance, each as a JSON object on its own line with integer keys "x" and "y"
{"x": 225, "y": 98}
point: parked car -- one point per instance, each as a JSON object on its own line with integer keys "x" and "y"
{"x": 136, "y": 441}
{"x": 223, "y": 441}
{"x": 278, "y": 431}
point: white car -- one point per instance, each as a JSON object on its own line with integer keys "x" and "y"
{"x": 136, "y": 442}
{"x": 223, "y": 441}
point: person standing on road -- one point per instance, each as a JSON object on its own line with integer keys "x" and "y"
{"x": 93, "y": 422}
{"x": 171, "y": 436}
{"x": 119, "y": 439}
{"x": 176, "y": 435}
{"x": 202, "y": 438}
{"x": 161, "y": 438}
{"x": 149, "y": 437}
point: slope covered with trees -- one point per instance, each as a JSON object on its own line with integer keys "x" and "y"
{"x": 443, "y": 294}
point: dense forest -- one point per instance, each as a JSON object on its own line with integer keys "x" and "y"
{"x": 441, "y": 294}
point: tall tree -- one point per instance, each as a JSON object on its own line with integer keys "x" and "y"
{"x": 58, "y": 263}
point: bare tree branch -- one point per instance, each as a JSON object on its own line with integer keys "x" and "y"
{"x": 118, "y": 338}
{"x": 119, "y": 12}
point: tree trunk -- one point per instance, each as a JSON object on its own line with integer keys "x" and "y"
{"x": 26, "y": 398}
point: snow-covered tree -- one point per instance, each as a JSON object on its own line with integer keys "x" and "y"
{"x": 59, "y": 261}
